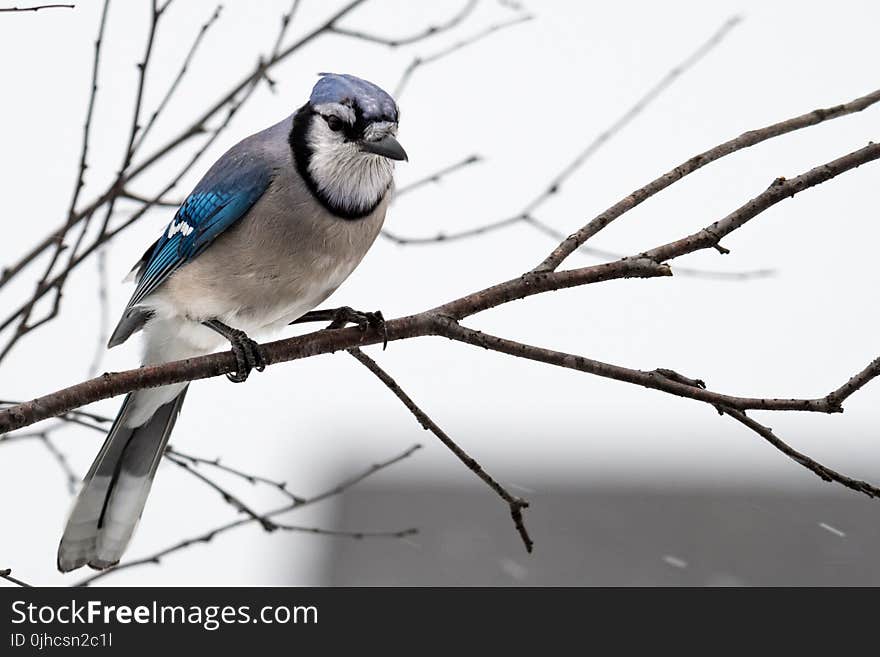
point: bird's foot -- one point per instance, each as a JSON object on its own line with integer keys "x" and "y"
{"x": 341, "y": 317}
{"x": 249, "y": 354}
{"x": 363, "y": 320}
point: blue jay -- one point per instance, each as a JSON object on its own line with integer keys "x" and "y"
{"x": 273, "y": 228}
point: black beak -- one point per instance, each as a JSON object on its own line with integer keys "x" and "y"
{"x": 388, "y": 147}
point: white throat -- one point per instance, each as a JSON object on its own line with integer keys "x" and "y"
{"x": 348, "y": 177}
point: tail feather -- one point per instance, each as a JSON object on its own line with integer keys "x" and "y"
{"x": 115, "y": 489}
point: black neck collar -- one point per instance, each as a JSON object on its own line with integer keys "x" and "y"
{"x": 302, "y": 157}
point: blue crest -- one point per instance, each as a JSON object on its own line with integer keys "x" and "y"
{"x": 374, "y": 103}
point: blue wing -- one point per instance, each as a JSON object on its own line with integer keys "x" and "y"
{"x": 222, "y": 198}
{"x": 224, "y": 195}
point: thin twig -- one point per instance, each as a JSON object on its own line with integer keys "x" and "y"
{"x": 206, "y": 537}
{"x": 250, "y": 478}
{"x": 823, "y": 472}
{"x": 87, "y": 126}
{"x": 6, "y": 574}
{"x": 285, "y": 24}
{"x": 176, "y": 83}
{"x": 431, "y": 30}
{"x": 677, "y": 270}
{"x": 420, "y": 61}
{"x": 653, "y": 379}
{"x": 228, "y": 497}
{"x": 103, "y": 313}
{"x": 627, "y": 117}
{"x": 515, "y": 504}
{"x": 60, "y": 458}
{"x": 467, "y": 233}
{"x": 143, "y": 67}
{"x": 779, "y": 190}
{"x": 436, "y": 176}
{"x": 400, "y": 533}
{"x": 36, "y": 8}
{"x": 160, "y": 203}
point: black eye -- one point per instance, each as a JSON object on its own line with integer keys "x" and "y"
{"x": 334, "y": 122}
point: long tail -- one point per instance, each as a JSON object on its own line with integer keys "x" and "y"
{"x": 115, "y": 489}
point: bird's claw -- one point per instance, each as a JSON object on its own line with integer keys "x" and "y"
{"x": 375, "y": 320}
{"x": 248, "y": 354}
{"x": 363, "y": 320}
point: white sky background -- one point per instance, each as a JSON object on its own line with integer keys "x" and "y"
{"x": 528, "y": 99}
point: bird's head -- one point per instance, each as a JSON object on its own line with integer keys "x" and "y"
{"x": 344, "y": 144}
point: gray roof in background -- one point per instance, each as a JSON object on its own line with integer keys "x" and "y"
{"x": 612, "y": 537}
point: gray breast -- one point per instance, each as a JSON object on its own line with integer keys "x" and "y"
{"x": 283, "y": 258}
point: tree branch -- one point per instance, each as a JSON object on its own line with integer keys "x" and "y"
{"x": 657, "y": 379}
{"x": 357, "y": 535}
{"x": 745, "y": 140}
{"x": 823, "y": 472}
{"x": 836, "y": 398}
{"x": 515, "y": 504}
{"x": 36, "y": 8}
{"x": 677, "y": 270}
{"x": 779, "y": 190}
{"x": 436, "y": 321}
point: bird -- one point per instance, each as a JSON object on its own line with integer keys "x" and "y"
{"x": 268, "y": 234}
